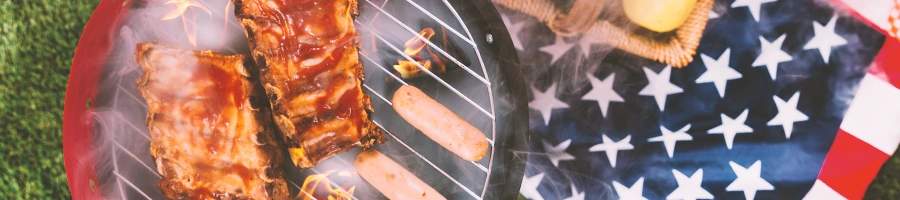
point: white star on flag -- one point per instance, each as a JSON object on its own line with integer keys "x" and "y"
{"x": 718, "y": 72}
{"x": 825, "y": 38}
{"x": 558, "y": 153}
{"x": 787, "y": 114}
{"x": 659, "y": 86}
{"x": 585, "y": 44}
{"x": 669, "y": 138}
{"x": 514, "y": 29}
{"x": 545, "y": 102}
{"x": 771, "y": 55}
{"x": 557, "y": 49}
{"x": 575, "y": 194}
{"x": 713, "y": 15}
{"x": 530, "y": 185}
{"x": 753, "y": 5}
{"x": 731, "y": 127}
{"x": 603, "y": 92}
{"x": 612, "y": 148}
{"x": 748, "y": 180}
{"x": 635, "y": 192}
{"x": 689, "y": 187}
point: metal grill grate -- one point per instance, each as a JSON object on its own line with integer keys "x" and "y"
{"x": 366, "y": 29}
{"x": 125, "y": 184}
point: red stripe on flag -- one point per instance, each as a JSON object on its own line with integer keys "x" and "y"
{"x": 851, "y": 165}
{"x": 886, "y": 65}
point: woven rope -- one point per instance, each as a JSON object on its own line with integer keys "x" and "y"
{"x": 677, "y": 51}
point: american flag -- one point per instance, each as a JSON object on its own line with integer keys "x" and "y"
{"x": 786, "y": 99}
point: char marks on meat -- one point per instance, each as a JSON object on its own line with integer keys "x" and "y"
{"x": 307, "y": 50}
{"x": 208, "y": 141}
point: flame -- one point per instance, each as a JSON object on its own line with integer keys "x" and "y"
{"x": 181, "y": 6}
{"x": 225, "y": 25}
{"x": 413, "y": 47}
{"x": 408, "y": 69}
{"x": 332, "y": 191}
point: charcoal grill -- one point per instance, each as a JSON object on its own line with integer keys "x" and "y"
{"x": 106, "y": 142}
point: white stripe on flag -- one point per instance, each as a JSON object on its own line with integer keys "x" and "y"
{"x": 876, "y": 11}
{"x": 821, "y": 191}
{"x": 874, "y": 114}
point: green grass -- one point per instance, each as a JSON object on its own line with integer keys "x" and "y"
{"x": 37, "y": 41}
{"x": 887, "y": 183}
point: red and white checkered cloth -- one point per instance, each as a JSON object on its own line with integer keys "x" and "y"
{"x": 894, "y": 19}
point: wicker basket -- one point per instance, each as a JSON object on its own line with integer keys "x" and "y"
{"x": 677, "y": 51}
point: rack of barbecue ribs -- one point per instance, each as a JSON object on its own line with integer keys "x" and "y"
{"x": 208, "y": 140}
{"x": 307, "y": 51}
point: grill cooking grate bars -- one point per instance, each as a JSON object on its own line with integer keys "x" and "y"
{"x": 126, "y": 185}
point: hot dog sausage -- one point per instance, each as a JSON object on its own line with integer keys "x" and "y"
{"x": 439, "y": 123}
{"x": 391, "y": 179}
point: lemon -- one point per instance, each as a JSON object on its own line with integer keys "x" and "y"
{"x": 658, "y": 15}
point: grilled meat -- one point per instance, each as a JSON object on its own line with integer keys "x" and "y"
{"x": 208, "y": 140}
{"x": 310, "y": 70}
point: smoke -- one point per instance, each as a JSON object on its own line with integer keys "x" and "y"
{"x": 126, "y": 170}
{"x": 568, "y": 71}
{"x": 830, "y": 86}
{"x": 124, "y": 167}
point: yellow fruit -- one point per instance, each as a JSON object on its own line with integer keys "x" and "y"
{"x": 658, "y": 15}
